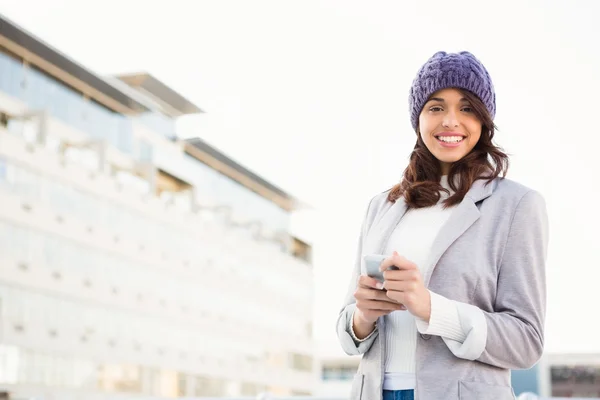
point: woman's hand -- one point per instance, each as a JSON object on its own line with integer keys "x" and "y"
{"x": 405, "y": 286}
{"x": 371, "y": 303}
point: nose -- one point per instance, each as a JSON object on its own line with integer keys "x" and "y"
{"x": 450, "y": 120}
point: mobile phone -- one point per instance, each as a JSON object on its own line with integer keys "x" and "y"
{"x": 372, "y": 264}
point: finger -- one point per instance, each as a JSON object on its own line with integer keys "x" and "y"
{"x": 401, "y": 297}
{"x": 363, "y": 293}
{"x": 400, "y": 285}
{"x": 412, "y": 275}
{"x": 369, "y": 282}
{"x": 398, "y": 261}
{"x": 402, "y": 262}
{"x": 377, "y": 305}
{"x": 386, "y": 263}
{"x": 395, "y": 296}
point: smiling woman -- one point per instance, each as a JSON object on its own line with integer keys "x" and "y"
{"x": 455, "y": 132}
{"x": 463, "y": 255}
{"x": 454, "y": 139}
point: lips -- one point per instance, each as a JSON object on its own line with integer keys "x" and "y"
{"x": 450, "y": 139}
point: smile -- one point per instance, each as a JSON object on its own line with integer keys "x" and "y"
{"x": 450, "y": 140}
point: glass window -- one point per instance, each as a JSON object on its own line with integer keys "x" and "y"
{"x": 41, "y": 91}
{"x": 159, "y": 123}
{"x": 12, "y": 75}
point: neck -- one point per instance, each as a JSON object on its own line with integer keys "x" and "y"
{"x": 445, "y": 167}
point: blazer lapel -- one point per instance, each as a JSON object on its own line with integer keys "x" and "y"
{"x": 382, "y": 229}
{"x": 463, "y": 216}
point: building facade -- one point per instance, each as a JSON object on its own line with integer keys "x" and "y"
{"x": 133, "y": 262}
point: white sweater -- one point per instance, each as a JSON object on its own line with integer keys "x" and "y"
{"x": 413, "y": 238}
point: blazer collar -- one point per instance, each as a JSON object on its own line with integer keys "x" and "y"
{"x": 463, "y": 216}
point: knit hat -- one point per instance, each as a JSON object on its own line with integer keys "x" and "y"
{"x": 450, "y": 70}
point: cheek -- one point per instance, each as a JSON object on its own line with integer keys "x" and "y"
{"x": 425, "y": 128}
{"x": 475, "y": 133}
{"x": 426, "y": 137}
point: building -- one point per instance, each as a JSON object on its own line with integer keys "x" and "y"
{"x": 133, "y": 262}
{"x": 562, "y": 375}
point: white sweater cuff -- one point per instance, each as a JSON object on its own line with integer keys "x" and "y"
{"x": 444, "y": 320}
{"x": 474, "y": 324}
{"x": 344, "y": 329}
{"x": 357, "y": 340}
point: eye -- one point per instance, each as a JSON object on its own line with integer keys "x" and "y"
{"x": 467, "y": 109}
{"x": 435, "y": 108}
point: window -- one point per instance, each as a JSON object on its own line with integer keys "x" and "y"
{"x": 575, "y": 380}
{"x": 338, "y": 373}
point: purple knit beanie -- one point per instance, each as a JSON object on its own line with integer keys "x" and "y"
{"x": 445, "y": 70}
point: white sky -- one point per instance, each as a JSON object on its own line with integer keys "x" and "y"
{"x": 312, "y": 95}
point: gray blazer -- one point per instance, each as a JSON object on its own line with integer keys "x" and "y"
{"x": 489, "y": 256}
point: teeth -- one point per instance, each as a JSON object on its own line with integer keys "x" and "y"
{"x": 450, "y": 139}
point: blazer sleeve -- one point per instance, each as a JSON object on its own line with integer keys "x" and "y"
{"x": 512, "y": 336}
{"x": 344, "y": 321}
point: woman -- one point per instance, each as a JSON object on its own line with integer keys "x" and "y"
{"x": 466, "y": 301}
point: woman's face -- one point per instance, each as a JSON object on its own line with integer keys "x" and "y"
{"x": 448, "y": 127}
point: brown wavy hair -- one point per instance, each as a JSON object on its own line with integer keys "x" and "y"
{"x": 420, "y": 185}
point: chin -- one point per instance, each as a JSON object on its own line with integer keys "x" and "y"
{"x": 449, "y": 160}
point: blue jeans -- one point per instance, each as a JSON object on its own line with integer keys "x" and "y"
{"x": 398, "y": 395}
